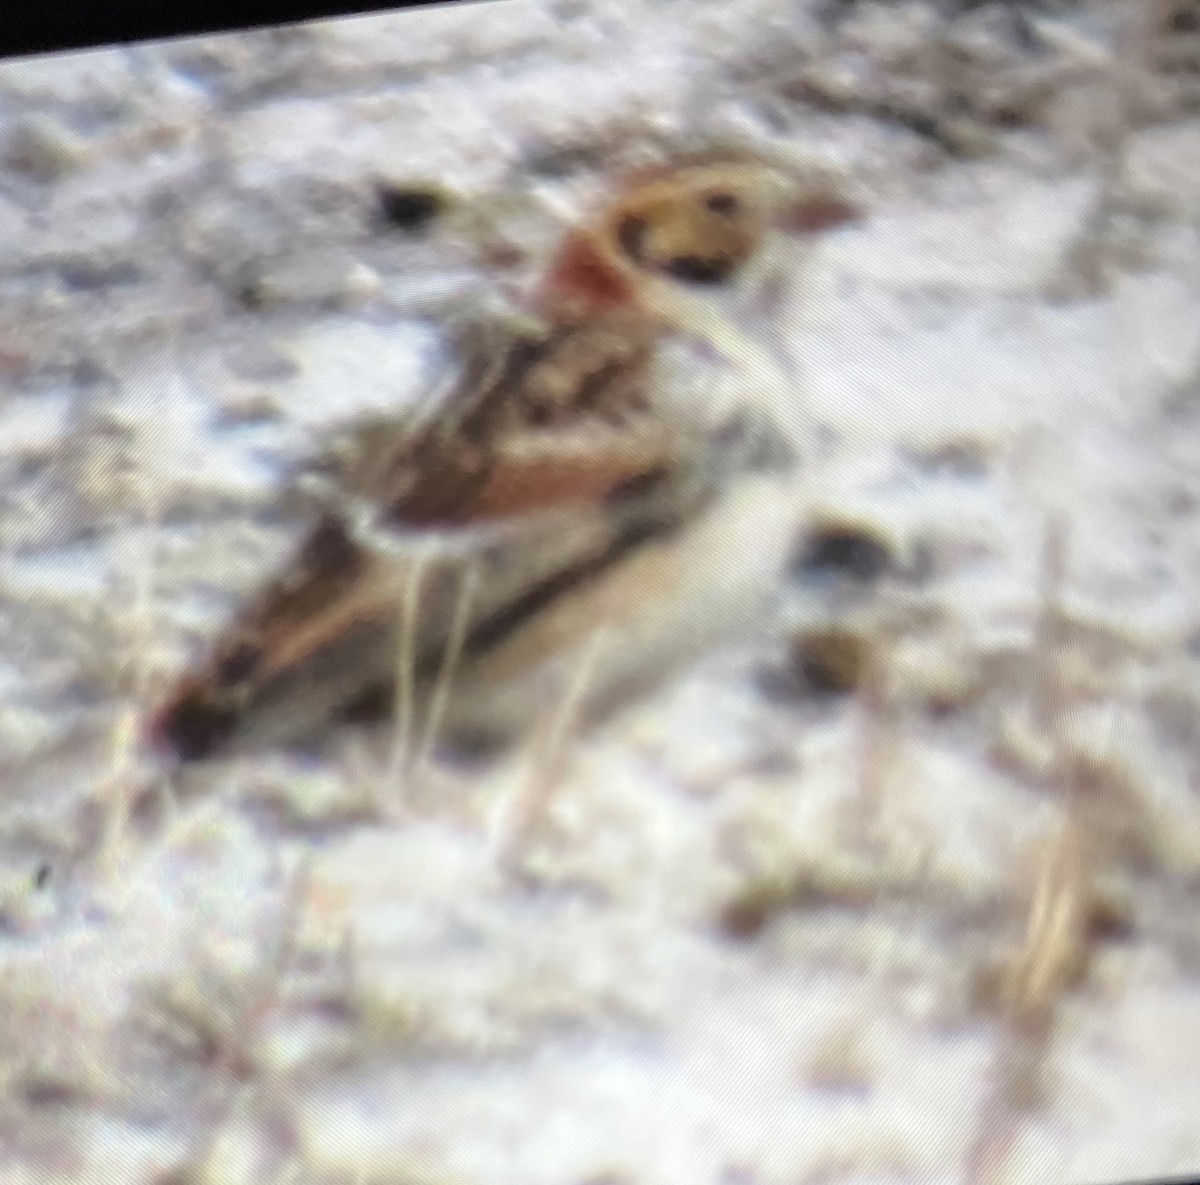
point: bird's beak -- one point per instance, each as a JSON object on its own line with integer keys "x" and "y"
{"x": 817, "y": 212}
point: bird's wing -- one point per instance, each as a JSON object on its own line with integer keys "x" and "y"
{"x": 546, "y": 463}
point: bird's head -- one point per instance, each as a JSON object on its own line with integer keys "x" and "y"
{"x": 676, "y": 240}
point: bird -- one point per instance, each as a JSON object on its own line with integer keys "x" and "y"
{"x": 604, "y": 482}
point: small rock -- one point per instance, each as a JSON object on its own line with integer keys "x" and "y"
{"x": 410, "y": 207}
{"x": 831, "y": 659}
{"x": 45, "y": 148}
{"x": 846, "y": 551}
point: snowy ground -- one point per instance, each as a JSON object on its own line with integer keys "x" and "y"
{"x": 762, "y": 933}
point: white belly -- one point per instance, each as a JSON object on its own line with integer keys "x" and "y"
{"x": 640, "y": 621}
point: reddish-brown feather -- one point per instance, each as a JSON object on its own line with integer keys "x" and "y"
{"x": 581, "y": 283}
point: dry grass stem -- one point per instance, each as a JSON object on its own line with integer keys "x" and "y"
{"x": 1054, "y": 954}
{"x": 878, "y": 733}
{"x": 117, "y": 790}
{"x": 236, "y": 1050}
{"x": 1017, "y": 1080}
{"x": 406, "y": 673}
{"x": 1090, "y": 265}
{"x": 266, "y": 990}
{"x": 545, "y": 753}
{"x": 1052, "y": 960}
{"x": 1048, "y": 705}
{"x": 444, "y": 683}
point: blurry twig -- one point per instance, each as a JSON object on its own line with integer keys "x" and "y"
{"x": 878, "y": 732}
{"x": 1052, "y": 960}
{"x": 527, "y": 805}
{"x": 1089, "y": 266}
{"x": 1061, "y": 913}
{"x": 236, "y": 1050}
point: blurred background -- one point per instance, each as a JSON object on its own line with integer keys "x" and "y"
{"x": 904, "y": 888}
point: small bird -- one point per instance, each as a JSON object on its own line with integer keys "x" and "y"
{"x": 605, "y": 482}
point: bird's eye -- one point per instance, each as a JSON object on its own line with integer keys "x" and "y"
{"x": 723, "y": 203}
